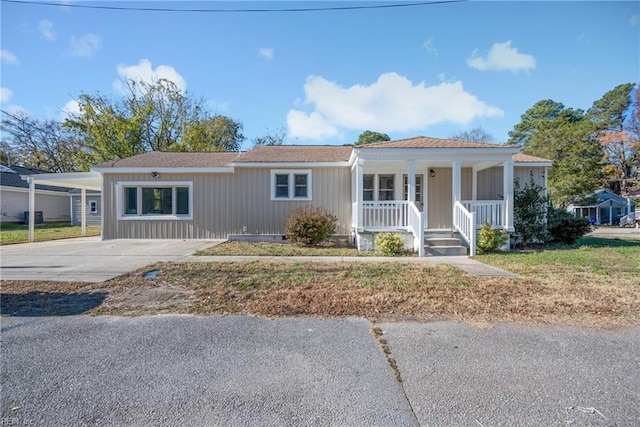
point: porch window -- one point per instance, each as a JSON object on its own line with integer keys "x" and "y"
{"x": 418, "y": 188}
{"x": 152, "y": 200}
{"x": 385, "y": 188}
{"x": 367, "y": 187}
{"x": 291, "y": 185}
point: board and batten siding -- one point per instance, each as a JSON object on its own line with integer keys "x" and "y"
{"x": 91, "y": 218}
{"x": 225, "y": 203}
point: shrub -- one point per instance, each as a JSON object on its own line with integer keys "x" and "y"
{"x": 490, "y": 239}
{"x": 529, "y": 212}
{"x": 310, "y": 226}
{"x": 390, "y": 244}
{"x": 565, "y": 228}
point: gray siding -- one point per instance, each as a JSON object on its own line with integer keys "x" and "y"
{"x": 92, "y": 218}
{"x": 225, "y": 203}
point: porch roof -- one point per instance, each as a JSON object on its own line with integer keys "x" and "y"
{"x": 428, "y": 142}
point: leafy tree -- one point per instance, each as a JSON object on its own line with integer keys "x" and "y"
{"x": 565, "y": 136}
{"x": 152, "y": 116}
{"x": 277, "y": 137}
{"x": 613, "y": 116}
{"x": 369, "y": 137}
{"x": 39, "y": 144}
{"x": 474, "y": 135}
{"x": 217, "y": 133}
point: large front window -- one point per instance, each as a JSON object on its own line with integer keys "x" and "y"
{"x": 290, "y": 185}
{"x": 385, "y": 189}
{"x": 145, "y": 200}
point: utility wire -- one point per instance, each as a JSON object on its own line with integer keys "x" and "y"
{"x": 167, "y": 9}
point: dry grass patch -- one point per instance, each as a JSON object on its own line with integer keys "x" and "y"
{"x": 332, "y": 248}
{"x": 377, "y": 291}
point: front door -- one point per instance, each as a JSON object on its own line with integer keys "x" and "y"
{"x": 440, "y": 207}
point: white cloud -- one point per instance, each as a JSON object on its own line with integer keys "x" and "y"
{"x": 46, "y": 29}
{"x": 85, "y": 46}
{"x": 430, "y": 47}
{"x": 145, "y": 72}
{"x": 501, "y": 57}
{"x": 266, "y": 52}
{"x": 5, "y": 95}
{"x": 71, "y": 108}
{"x": 8, "y": 57}
{"x": 391, "y": 104}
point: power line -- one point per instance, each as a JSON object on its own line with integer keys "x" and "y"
{"x": 167, "y": 9}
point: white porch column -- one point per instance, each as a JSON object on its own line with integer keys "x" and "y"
{"x": 610, "y": 212}
{"x": 411, "y": 180}
{"x": 507, "y": 168}
{"x": 32, "y": 209}
{"x": 456, "y": 181}
{"x": 83, "y": 212}
{"x": 359, "y": 184}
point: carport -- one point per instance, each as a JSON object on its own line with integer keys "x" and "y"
{"x": 81, "y": 180}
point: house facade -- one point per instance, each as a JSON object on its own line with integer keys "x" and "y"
{"x": 413, "y": 186}
{"x": 53, "y": 202}
{"x": 603, "y": 207}
{"x": 93, "y": 207}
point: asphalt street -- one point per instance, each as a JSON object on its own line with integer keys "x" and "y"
{"x": 239, "y": 370}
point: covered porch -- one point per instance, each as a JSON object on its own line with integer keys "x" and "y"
{"x": 424, "y": 191}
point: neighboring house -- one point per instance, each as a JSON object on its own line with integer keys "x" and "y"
{"x": 411, "y": 186}
{"x": 93, "y": 207}
{"x": 53, "y": 202}
{"x": 602, "y": 207}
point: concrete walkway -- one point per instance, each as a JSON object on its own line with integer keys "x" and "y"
{"x": 464, "y": 263}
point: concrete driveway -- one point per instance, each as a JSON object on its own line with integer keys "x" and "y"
{"x": 89, "y": 259}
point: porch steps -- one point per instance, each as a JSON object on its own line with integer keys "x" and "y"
{"x": 445, "y": 245}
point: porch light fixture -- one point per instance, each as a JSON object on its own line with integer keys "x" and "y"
{"x": 154, "y": 175}
{"x": 432, "y": 173}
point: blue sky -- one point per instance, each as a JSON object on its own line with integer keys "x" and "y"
{"x": 326, "y": 76}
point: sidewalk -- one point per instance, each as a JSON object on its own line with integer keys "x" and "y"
{"x": 464, "y": 263}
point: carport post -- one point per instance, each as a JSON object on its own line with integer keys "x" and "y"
{"x": 32, "y": 209}
{"x": 83, "y": 212}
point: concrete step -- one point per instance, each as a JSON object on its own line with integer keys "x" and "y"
{"x": 442, "y": 241}
{"x": 446, "y": 250}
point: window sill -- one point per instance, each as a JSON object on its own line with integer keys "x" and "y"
{"x": 287, "y": 199}
{"x": 155, "y": 217}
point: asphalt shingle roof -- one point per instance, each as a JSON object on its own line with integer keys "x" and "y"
{"x": 296, "y": 153}
{"x": 10, "y": 177}
{"x": 161, "y": 159}
{"x": 427, "y": 142}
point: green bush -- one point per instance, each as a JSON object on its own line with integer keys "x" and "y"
{"x": 529, "y": 211}
{"x": 310, "y": 226}
{"x": 390, "y": 244}
{"x": 565, "y": 228}
{"x": 490, "y": 239}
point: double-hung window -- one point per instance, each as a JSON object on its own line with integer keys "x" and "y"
{"x": 155, "y": 200}
{"x": 93, "y": 206}
{"x": 418, "y": 188}
{"x": 381, "y": 186}
{"x": 291, "y": 184}
{"x": 385, "y": 189}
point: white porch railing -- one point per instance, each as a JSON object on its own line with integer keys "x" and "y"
{"x": 416, "y": 221}
{"x": 385, "y": 214}
{"x": 464, "y": 222}
{"x": 491, "y": 211}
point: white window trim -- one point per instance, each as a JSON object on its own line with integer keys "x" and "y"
{"x": 152, "y": 184}
{"x": 93, "y": 206}
{"x": 292, "y": 185}
{"x": 376, "y": 186}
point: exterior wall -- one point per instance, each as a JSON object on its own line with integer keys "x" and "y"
{"x": 524, "y": 174}
{"x": 224, "y": 204}
{"x": 92, "y": 218}
{"x": 15, "y": 202}
{"x": 490, "y": 183}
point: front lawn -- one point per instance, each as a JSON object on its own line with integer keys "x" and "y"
{"x": 595, "y": 284}
{"x": 19, "y": 233}
{"x": 332, "y": 248}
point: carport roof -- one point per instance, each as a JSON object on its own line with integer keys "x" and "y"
{"x": 86, "y": 180}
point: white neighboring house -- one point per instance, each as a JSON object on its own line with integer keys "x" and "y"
{"x": 52, "y": 201}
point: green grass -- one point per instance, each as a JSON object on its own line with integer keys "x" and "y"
{"x": 600, "y": 256}
{"x": 333, "y": 248}
{"x": 19, "y": 233}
